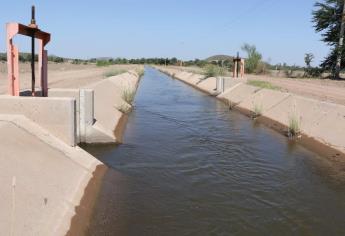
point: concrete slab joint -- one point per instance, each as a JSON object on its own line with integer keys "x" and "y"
{"x": 84, "y": 109}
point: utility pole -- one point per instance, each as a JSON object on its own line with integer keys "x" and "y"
{"x": 341, "y": 44}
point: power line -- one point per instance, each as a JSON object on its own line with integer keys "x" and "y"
{"x": 259, "y": 4}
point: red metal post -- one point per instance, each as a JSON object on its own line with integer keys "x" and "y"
{"x": 13, "y": 56}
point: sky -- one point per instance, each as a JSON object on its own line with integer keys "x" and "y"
{"x": 187, "y": 29}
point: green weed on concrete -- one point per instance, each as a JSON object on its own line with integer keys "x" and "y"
{"x": 263, "y": 84}
{"x": 257, "y": 111}
{"x": 294, "y": 126}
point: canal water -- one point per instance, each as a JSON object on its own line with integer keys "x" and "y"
{"x": 189, "y": 166}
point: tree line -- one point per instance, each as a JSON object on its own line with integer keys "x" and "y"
{"x": 26, "y": 57}
{"x": 116, "y": 61}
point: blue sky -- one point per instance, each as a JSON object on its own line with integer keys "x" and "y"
{"x": 187, "y": 29}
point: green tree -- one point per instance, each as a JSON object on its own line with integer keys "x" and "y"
{"x": 174, "y": 61}
{"x": 327, "y": 17}
{"x": 308, "y": 58}
{"x": 253, "y": 57}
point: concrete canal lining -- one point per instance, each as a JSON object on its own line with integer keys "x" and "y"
{"x": 49, "y": 184}
{"x": 57, "y": 115}
{"x": 84, "y": 109}
{"x": 110, "y": 106}
{"x": 323, "y": 122}
{"x": 43, "y": 179}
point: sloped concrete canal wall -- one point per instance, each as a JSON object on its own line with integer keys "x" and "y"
{"x": 48, "y": 183}
{"x": 319, "y": 121}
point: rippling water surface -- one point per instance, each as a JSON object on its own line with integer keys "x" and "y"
{"x": 189, "y": 166}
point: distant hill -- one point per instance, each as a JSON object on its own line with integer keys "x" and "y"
{"x": 219, "y": 58}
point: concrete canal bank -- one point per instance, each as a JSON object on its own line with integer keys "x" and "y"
{"x": 49, "y": 184}
{"x": 321, "y": 124}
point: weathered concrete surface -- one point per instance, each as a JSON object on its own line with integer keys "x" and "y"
{"x": 54, "y": 114}
{"x": 42, "y": 179}
{"x": 322, "y": 121}
{"x": 110, "y": 106}
{"x": 238, "y": 93}
{"x": 69, "y": 93}
{"x": 264, "y": 100}
{"x": 196, "y": 78}
{"x": 231, "y": 82}
{"x": 84, "y": 109}
{"x": 49, "y": 185}
{"x": 100, "y": 107}
{"x": 209, "y": 85}
{"x": 89, "y": 114}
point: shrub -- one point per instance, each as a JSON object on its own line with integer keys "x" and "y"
{"x": 213, "y": 71}
{"x": 103, "y": 63}
{"x": 262, "y": 68}
{"x": 289, "y": 71}
{"x": 253, "y": 58}
{"x": 313, "y": 72}
{"x": 124, "y": 108}
{"x": 76, "y": 61}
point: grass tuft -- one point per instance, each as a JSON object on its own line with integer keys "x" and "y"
{"x": 257, "y": 111}
{"x": 128, "y": 95}
{"x": 294, "y": 126}
{"x": 230, "y": 104}
{"x": 263, "y": 84}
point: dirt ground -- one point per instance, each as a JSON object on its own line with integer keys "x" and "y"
{"x": 67, "y": 75}
{"x": 62, "y": 75}
{"x": 320, "y": 89}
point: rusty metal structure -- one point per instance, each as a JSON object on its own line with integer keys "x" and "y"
{"x": 43, "y": 38}
{"x": 238, "y": 64}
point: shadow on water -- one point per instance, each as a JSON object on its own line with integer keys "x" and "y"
{"x": 189, "y": 166}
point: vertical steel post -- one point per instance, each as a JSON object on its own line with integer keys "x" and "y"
{"x": 33, "y": 22}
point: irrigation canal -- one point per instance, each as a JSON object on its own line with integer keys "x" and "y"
{"x": 189, "y": 166}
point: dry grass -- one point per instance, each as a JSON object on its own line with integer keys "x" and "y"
{"x": 128, "y": 95}
{"x": 140, "y": 71}
{"x": 113, "y": 72}
{"x": 124, "y": 108}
